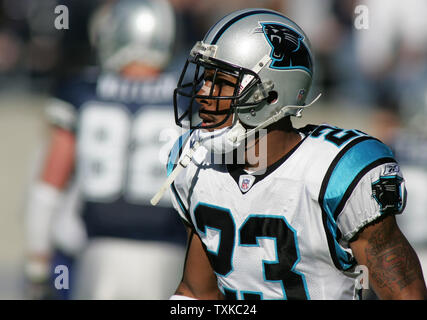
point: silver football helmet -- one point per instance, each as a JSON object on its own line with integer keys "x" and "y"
{"x": 269, "y": 55}
{"x": 133, "y": 31}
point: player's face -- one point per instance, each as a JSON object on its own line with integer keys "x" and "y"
{"x": 215, "y": 111}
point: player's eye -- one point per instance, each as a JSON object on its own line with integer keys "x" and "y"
{"x": 220, "y": 81}
{"x": 225, "y": 82}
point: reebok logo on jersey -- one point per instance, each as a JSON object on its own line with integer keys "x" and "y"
{"x": 391, "y": 168}
{"x": 245, "y": 182}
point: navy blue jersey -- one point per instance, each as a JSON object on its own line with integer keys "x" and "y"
{"x": 124, "y": 131}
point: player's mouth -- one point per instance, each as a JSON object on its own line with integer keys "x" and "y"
{"x": 207, "y": 123}
{"x": 207, "y": 120}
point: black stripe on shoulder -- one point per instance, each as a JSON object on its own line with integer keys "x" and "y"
{"x": 335, "y": 162}
{"x": 329, "y": 236}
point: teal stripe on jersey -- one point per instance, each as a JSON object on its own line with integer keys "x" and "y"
{"x": 349, "y": 166}
{"x": 345, "y": 171}
{"x": 176, "y": 151}
{"x": 172, "y": 161}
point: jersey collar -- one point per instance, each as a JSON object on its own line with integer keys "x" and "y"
{"x": 236, "y": 170}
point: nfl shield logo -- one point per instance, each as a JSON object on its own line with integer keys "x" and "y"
{"x": 246, "y": 182}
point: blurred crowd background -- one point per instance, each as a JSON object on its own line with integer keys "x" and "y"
{"x": 371, "y": 67}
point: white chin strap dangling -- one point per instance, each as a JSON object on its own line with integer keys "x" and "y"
{"x": 182, "y": 163}
{"x": 218, "y": 141}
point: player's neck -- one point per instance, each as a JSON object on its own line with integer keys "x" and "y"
{"x": 271, "y": 147}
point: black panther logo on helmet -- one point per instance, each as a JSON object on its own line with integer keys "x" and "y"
{"x": 288, "y": 50}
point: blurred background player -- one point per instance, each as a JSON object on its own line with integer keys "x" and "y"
{"x": 105, "y": 158}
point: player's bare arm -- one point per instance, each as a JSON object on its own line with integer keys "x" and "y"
{"x": 59, "y": 163}
{"x": 56, "y": 172}
{"x": 199, "y": 280}
{"x": 394, "y": 268}
{"x": 57, "y": 168}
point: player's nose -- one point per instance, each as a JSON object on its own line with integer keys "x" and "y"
{"x": 204, "y": 93}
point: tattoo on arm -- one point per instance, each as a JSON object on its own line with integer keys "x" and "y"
{"x": 391, "y": 260}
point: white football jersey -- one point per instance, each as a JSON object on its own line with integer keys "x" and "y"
{"x": 285, "y": 234}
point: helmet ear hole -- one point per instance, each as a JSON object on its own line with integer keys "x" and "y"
{"x": 272, "y": 97}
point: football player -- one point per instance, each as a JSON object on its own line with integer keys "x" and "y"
{"x": 297, "y": 213}
{"x": 107, "y": 139}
